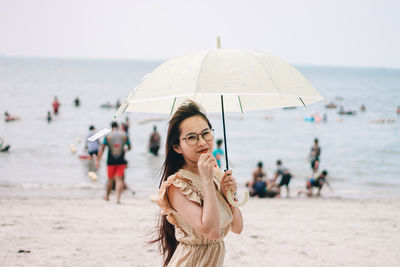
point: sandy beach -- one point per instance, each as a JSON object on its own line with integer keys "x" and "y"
{"x": 43, "y": 227}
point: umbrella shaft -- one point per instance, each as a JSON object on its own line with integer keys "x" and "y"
{"x": 223, "y": 124}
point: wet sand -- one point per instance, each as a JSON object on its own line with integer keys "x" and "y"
{"x": 83, "y": 230}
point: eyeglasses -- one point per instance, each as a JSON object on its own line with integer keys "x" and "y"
{"x": 193, "y": 138}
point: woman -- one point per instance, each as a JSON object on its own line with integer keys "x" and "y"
{"x": 195, "y": 216}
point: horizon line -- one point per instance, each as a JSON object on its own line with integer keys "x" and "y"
{"x": 164, "y": 60}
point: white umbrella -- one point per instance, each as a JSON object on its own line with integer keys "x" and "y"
{"x": 247, "y": 80}
{"x": 221, "y": 80}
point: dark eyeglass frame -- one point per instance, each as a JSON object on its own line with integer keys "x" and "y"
{"x": 198, "y": 138}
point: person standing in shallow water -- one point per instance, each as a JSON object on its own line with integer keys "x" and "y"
{"x": 77, "y": 102}
{"x": 195, "y": 216}
{"x": 154, "y": 143}
{"x": 56, "y": 105}
{"x": 314, "y": 156}
{"x": 49, "y": 118}
{"x": 125, "y": 126}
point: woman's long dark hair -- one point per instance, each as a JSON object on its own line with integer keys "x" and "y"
{"x": 166, "y": 240}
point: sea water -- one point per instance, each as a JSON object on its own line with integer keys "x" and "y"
{"x": 361, "y": 156}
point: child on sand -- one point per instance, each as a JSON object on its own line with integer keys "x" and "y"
{"x": 195, "y": 215}
{"x": 316, "y": 181}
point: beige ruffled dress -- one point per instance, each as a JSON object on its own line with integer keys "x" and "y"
{"x": 195, "y": 249}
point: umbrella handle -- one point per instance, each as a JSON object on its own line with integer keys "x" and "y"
{"x": 231, "y": 200}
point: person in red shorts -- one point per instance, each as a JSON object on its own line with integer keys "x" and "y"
{"x": 118, "y": 143}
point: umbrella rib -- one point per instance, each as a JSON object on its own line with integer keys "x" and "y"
{"x": 198, "y": 74}
{"x": 173, "y": 105}
{"x": 240, "y": 103}
{"x": 266, "y": 70}
{"x": 302, "y": 102}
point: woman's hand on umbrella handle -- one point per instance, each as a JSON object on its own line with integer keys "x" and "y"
{"x": 232, "y": 201}
{"x": 229, "y": 193}
{"x": 228, "y": 182}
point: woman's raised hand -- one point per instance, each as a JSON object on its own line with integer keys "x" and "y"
{"x": 228, "y": 182}
{"x": 206, "y": 166}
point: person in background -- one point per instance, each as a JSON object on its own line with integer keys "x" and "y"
{"x": 118, "y": 103}
{"x": 77, "y": 102}
{"x": 258, "y": 172}
{"x": 398, "y": 110}
{"x": 92, "y": 147}
{"x": 285, "y": 177}
{"x": 316, "y": 181}
{"x": 314, "y": 156}
{"x": 56, "y": 105}
{"x": 8, "y": 117}
{"x": 260, "y": 186}
{"x": 325, "y": 117}
{"x": 125, "y": 126}
{"x": 154, "y": 143}
{"x": 263, "y": 188}
{"x": 218, "y": 152}
{"x": 362, "y": 108}
{"x": 317, "y": 117}
{"x": 3, "y": 147}
{"x": 49, "y": 118}
{"x": 118, "y": 143}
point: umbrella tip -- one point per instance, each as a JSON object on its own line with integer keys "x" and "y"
{"x": 218, "y": 42}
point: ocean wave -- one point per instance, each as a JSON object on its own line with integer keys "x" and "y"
{"x": 84, "y": 186}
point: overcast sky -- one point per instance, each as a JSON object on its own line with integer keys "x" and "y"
{"x": 318, "y": 32}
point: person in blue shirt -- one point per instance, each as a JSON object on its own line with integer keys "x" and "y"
{"x": 218, "y": 152}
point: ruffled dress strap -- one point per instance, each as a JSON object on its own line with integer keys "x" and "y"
{"x": 185, "y": 186}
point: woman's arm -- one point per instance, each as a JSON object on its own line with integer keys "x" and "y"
{"x": 204, "y": 219}
{"x": 237, "y": 223}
